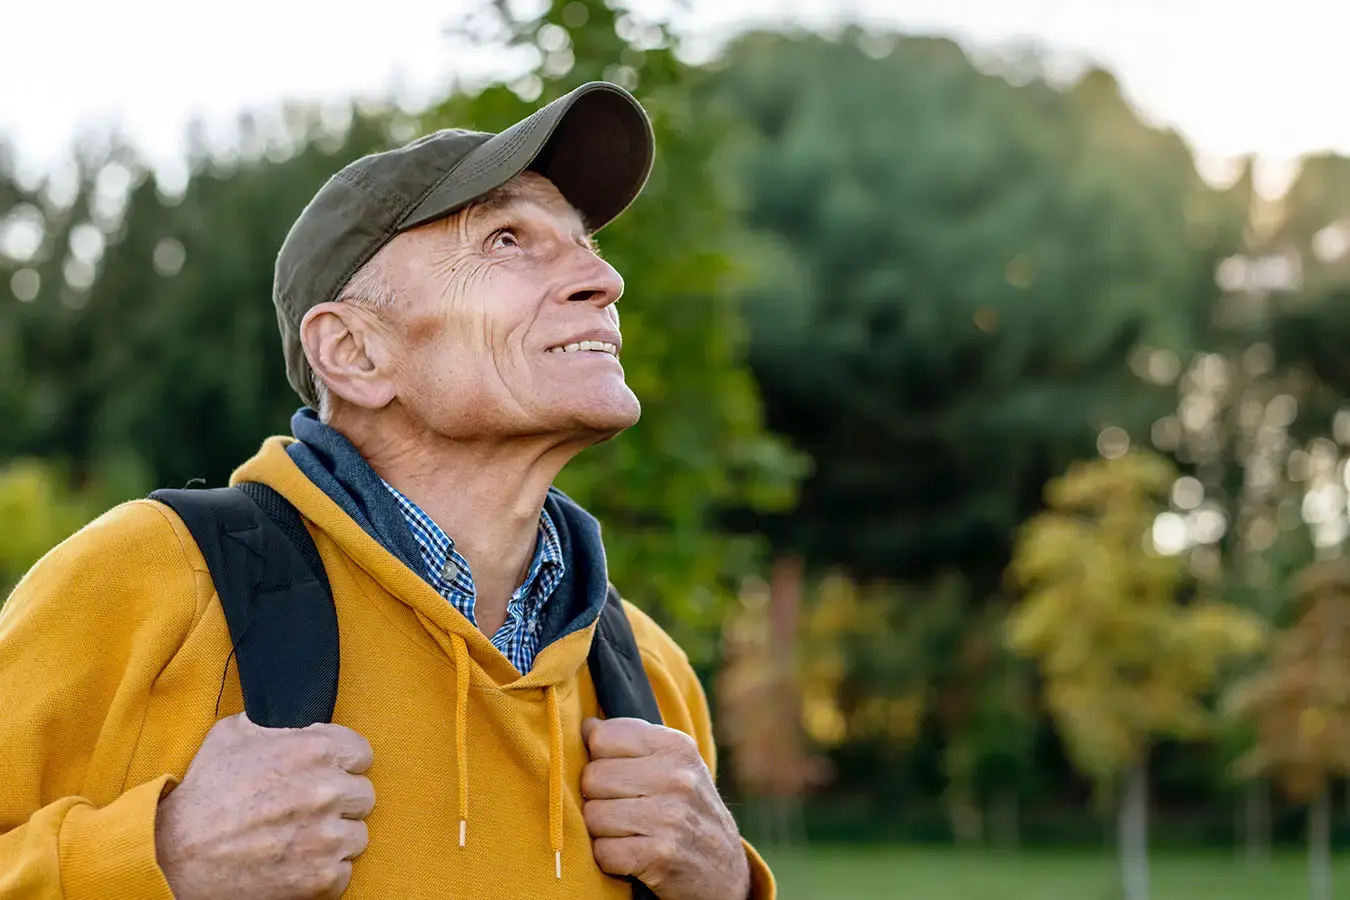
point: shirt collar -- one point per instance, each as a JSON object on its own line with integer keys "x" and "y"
{"x": 446, "y": 568}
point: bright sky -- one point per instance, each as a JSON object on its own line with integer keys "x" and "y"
{"x": 1267, "y": 81}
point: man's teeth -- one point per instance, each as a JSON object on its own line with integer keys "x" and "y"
{"x": 597, "y": 346}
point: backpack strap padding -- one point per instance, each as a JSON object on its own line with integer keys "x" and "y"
{"x": 621, "y": 683}
{"x": 276, "y": 598}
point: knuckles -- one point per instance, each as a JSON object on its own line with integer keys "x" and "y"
{"x": 616, "y": 856}
{"x": 322, "y": 842}
{"x": 324, "y": 795}
{"x": 593, "y": 815}
{"x": 288, "y": 799}
{"x": 681, "y": 745}
{"x": 592, "y": 780}
{"x": 687, "y": 780}
{"x": 326, "y": 881}
{"x": 311, "y": 749}
{"x": 664, "y": 856}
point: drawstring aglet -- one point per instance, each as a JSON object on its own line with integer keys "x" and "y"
{"x": 463, "y": 826}
{"x": 557, "y": 863}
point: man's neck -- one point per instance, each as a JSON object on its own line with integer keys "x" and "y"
{"x": 486, "y": 497}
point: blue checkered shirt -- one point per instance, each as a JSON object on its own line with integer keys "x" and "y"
{"x": 449, "y": 574}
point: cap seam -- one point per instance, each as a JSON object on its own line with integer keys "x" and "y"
{"x": 403, "y": 216}
{"x": 505, "y": 151}
{"x": 493, "y": 159}
{"x": 363, "y": 182}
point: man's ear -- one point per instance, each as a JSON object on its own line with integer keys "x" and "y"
{"x": 346, "y": 349}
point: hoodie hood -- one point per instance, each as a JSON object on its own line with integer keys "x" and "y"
{"x": 337, "y": 468}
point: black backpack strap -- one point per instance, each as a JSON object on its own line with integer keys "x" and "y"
{"x": 276, "y": 597}
{"x": 621, "y": 683}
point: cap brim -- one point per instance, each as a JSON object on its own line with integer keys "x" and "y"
{"x": 595, "y": 144}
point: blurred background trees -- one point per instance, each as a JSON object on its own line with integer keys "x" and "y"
{"x": 892, "y": 315}
{"x": 1124, "y": 661}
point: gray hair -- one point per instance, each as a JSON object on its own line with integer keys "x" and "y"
{"x": 369, "y": 288}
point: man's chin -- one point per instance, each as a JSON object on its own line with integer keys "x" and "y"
{"x": 606, "y": 421}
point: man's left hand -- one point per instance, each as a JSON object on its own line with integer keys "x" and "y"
{"x": 654, "y": 813}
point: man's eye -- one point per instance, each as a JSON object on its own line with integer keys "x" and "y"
{"x": 504, "y": 238}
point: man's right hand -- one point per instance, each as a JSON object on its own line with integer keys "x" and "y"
{"x": 267, "y": 813}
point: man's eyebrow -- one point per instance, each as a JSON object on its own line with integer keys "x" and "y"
{"x": 510, "y": 211}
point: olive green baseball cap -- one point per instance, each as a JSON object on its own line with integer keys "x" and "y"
{"x": 595, "y": 144}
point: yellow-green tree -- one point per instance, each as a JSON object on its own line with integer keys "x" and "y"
{"x": 1299, "y": 707}
{"x": 39, "y": 510}
{"x": 1124, "y": 660}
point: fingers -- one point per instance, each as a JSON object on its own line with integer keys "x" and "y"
{"x": 350, "y": 751}
{"x": 355, "y": 838}
{"x": 618, "y": 738}
{"x": 343, "y": 877}
{"x": 622, "y": 856}
{"x": 357, "y": 798}
{"x": 611, "y": 779}
{"x": 619, "y": 818}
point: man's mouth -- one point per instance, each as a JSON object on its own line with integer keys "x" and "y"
{"x": 587, "y": 347}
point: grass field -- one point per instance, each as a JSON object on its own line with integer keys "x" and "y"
{"x": 904, "y": 873}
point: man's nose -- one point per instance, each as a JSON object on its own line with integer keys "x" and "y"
{"x": 598, "y": 283}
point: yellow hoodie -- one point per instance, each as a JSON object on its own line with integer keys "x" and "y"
{"x": 112, "y": 651}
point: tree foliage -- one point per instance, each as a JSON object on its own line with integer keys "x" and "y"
{"x": 953, "y": 270}
{"x": 1300, "y": 702}
{"x": 1124, "y": 661}
{"x": 153, "y": 333}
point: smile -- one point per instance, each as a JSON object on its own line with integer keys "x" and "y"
{"x": 587, "y": 346}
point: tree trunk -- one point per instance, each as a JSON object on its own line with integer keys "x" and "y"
{"x": 1004, "y": 820}
{"x": 1256, "y": 821}
{"x": 963, "y": 816}
{"x": 1133, "y": 834}
{"x": 1319, "y": 845}
{"x": 789, "y": 759}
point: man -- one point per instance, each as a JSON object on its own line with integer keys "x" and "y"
{"x": 454, "y": 334}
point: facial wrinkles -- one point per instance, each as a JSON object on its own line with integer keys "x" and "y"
{"x": 457, "y": 273}
{"x": 493, "y": 299}
{"x": 526, "y": 277}
{"x": 479, "y": 289}
{"x": 482, "y": 269}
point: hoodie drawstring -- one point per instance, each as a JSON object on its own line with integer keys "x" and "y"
{"x": 555, "y": 778}
{"x": 461, "y": 730}
{"x": 555, "y": 754}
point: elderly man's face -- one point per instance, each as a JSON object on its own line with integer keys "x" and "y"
{"x": 505, "y": 322}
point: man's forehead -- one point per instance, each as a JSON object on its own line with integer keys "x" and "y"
{"x": 525, "y": 190}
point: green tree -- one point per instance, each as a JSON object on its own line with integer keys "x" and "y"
{"x": 952, "y": 272}
{"x": 151, "y": 332}
{"x": 1124, "y": 661}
